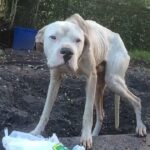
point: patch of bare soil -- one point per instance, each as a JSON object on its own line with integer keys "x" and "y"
{"x": 24, "y": 80}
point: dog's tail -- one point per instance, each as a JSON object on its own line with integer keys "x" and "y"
{"x": 117, "y": 108}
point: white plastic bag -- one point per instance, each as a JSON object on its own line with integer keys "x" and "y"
{"x": 25, "y": 141}
{"x": 78, "y": 147}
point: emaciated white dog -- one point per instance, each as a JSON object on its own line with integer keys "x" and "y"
{"x": 84, "y": 47}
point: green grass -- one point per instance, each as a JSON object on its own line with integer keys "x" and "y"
{"x": 140, "y": 55}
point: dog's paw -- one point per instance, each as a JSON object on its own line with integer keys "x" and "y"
{"x": 86, "y": 141}
{"x": 141, "y": 130}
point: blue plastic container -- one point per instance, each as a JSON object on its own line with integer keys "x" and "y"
{"x": 24, "y": 38}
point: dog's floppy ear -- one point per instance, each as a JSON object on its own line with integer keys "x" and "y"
{"x": 86, "y": 43}
{"x": 77, "y": 19}
{"x": 39, "y": 39}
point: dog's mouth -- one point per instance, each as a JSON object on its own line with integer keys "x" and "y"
{"x": 67, "y": 65}
{"x": 66, "y": 59}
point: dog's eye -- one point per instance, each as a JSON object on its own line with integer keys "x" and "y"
{"x": 78, "y": 40}
{"x": 53, "y": 37}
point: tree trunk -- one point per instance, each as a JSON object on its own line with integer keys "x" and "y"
{"x": 13, "y": 12}
{"x": 36, "y": 12}
{"x": 2, "y": 8}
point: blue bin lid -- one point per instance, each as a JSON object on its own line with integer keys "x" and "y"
{"x": 24, "y": 38}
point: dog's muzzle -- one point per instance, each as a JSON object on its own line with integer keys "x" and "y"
{"x": 67, "y": 54}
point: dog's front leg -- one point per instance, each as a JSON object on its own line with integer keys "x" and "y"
{"x": 54, "y": 85}
{"x": 86, "y": 137}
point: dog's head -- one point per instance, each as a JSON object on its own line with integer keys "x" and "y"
{"x": 64, "y": 42}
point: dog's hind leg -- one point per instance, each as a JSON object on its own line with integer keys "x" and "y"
{"x": 54, "y": 85}
{"x": 114, "y": 77}
{"x": 99, "y": 101}
{"x": 118, "y": 86}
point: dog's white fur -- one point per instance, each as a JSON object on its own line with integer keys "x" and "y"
{"x": 91, "y": 45}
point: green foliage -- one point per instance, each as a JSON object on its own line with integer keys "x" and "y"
{"x": 140, "y": 55}
{"x": 25, "y": 13}
{"x": 130, "y": 18}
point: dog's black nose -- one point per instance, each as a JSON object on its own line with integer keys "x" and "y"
{"x": 67, "y": 52}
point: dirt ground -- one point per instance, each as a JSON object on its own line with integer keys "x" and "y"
{"x": 24, "y": 80}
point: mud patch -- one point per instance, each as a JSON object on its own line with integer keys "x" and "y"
{"x": 23, "y": 87}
